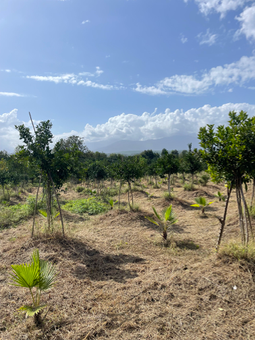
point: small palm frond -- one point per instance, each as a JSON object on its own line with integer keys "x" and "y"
{"x": 47, "y": 275}
{"x": 201, "y": 201}
{"x": 169, "y": 215}
{"x": 25, "y": 275}
{"x": 151, "y": 220}
{"x": 156, "y": 214}
{"x": 31, "y": 311}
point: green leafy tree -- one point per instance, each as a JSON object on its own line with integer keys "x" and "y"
{"x": 168, "y": 164}
{"x": 128, "y": 170}
{"x": 192, "y": 162}
{"x": 230, "y": 154}
{"x": 54, "y": 165}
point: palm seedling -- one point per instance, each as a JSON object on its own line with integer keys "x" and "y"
{"x": 112, "y": 203}
{"x": 38, "y": 275}
{"x": 149, "y": 196}
{"x": 220, "y": 196}
{"x": 164, "y": 221}
{"x": 201, "y": 203}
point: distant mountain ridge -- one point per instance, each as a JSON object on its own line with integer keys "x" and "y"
{"x": 176, "y": 142}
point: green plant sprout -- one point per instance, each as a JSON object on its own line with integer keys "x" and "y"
{"x": 44, "y": 214}
{"x": 201, "y": 203}
{"x": 149, "y": 196}
{"x": 38, "y": 274}
{"x": 164, "y": 221}
{"x": 220, "y": 196}
{"x": 112, "y": 203}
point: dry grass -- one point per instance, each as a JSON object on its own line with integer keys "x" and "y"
{"x": 117, "y": 281}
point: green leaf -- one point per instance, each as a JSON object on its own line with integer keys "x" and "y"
{"x": 57, "y": 214}
{"x": 43, "y": 213}
{"x": 210, "y": 202}
{"x": 168, "y": 213}
{"x": 195, "y": 205}
{"x": 31, "y": 311}
{"x": 156, "y": 214}
{"x": 151, "y": 220}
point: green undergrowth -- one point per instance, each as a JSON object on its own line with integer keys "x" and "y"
{"x": 238, "y": 251}
{"x": 91, "y": 206}
{"x": 10, "y": 215}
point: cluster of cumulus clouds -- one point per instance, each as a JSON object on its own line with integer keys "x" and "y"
{"x": 237, "y": 73}
{"x": 134, "y": 127}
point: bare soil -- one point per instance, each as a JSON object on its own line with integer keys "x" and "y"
{"x": 116, "y": 280}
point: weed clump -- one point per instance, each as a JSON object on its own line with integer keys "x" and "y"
{"x": 238, "y": 251}
{"x": 188, "y": 187}
{"x": 91, "y": 206}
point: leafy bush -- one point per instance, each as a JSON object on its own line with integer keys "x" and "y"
{"x": 204, "y": 179}
{"x": 91, "y": 206}
{"x": 188, "y": 187}
{"x": 79, "y": 189}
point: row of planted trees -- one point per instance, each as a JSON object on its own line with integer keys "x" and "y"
{"x": 228, "y": 152}
{"x": 70, "y": 158}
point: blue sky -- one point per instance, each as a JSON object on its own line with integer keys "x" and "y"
{"x": 117, "y": 69}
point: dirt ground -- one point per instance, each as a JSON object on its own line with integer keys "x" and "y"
{"x": 116, "y": 280}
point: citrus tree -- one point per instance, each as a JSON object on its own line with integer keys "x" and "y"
{"x": 230, "y": 154}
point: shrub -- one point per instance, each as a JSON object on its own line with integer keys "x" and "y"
{"x": 79, "y": 189}
{"x": 204, "y": 179}
{"x": 188, "y": 187}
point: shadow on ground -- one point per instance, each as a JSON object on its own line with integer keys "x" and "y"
{"x": 90, "y": 263}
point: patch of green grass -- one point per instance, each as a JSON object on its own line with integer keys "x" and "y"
{"x": 238, "y": 251}
{"x": 91, "y": 206}
{"x": 10, "y": 215}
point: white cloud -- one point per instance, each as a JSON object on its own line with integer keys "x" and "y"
{"x": 6, "y": 70}
{"x": 219, "y": 6}
{"x": 9, "y": 136}
{"x": 155, "y": 126}
{"x": 134, "y": 127}
{"x": 152, "y": 90}
{"x": 11, "y": 94}
{"x": 207, "y": 38}
{"x": 74, "y": 79}
{"x": 183, "y": 39}
{"x": 237, "y": 73}
{"x": 85, "y": 22}
{"x": 247, "y": 20}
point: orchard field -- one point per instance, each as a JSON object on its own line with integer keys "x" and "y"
{"x": 117, "y": 280}
{"x": 152, "y": 246}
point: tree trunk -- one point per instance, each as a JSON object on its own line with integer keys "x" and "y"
{"x": 240, "y": 213}
{"x": 59, "y": 208}
{"x": 119, "y": 194}
{"x": 35, "y": 209}
{"x": 168, "y": 183}
{"x": 253, "y": 192}
{"x": 247, "y": 212}
{"x": 48, "y": 202}
{"x": 223, "y": 221}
